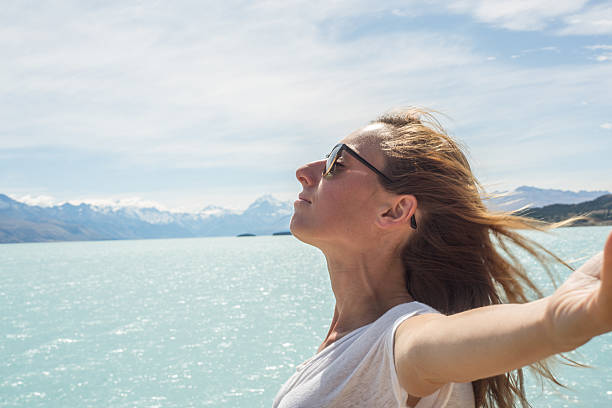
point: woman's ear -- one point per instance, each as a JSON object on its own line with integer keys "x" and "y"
{"x": 398, "y": 211}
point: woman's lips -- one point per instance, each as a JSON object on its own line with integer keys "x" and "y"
{"x": 302, "y": 198}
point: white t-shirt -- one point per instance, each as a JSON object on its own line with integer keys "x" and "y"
{"x": 358, "y": 370}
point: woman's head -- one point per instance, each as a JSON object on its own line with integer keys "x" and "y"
{"x": 343, "y": 201}
{"x": 419, "y": 164}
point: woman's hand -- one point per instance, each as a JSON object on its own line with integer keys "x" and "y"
{"x": 582, "y": 307}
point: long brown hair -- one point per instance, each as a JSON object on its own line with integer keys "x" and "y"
{"x": 461, "y": 255}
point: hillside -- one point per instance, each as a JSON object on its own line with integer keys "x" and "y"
{"x": 598, "y": 212}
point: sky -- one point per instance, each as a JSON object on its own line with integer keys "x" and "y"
{"x": 186, "y": 104}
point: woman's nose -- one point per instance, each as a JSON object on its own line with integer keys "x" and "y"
{"x": 309, "y": 174}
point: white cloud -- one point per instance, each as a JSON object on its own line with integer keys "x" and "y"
{"x": 595, "y": 20}
{"x": 137, "y": 80}
{"x": 536, "y": 50}
{"x": 606, "y": 56}
{"x": 575, "y": 16}
{"x": 524, "y": 15}
{"x": 599, "y": 47}
{"x": 606, "y": 126}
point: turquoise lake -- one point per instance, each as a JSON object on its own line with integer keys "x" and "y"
{"x": 219, "y": 322}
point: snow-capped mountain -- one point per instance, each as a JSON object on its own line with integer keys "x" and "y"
{"x": 20, "y": 222}
{"x": 268, "y": 205}
{"x": 539, "y": 197}
{"x": 215, "y": 210}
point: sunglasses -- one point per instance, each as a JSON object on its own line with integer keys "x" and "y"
{"x": 334, "y": 155}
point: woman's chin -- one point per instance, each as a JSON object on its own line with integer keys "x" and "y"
{"x": 294, "y": 228}
{"x": 299, "y": 231}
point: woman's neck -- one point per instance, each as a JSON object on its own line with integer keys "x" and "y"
{"x": 365, "y": 287}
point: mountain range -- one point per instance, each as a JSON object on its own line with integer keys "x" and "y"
{"x": 526, "y": 196}
{"x": 20, "y": 222}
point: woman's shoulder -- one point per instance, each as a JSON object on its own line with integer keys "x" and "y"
{"x": 403, "y": 311}
{"x": 387, "y": 324}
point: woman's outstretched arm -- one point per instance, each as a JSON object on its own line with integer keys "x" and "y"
{"x": 431, "y": 350}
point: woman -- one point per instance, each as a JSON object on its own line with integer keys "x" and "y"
{"x": 416, "y": 270}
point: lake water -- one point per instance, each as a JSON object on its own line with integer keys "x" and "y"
{"x": 218, "y": 322}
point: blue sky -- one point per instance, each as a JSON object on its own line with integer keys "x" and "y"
{"x": 192, "y": 103}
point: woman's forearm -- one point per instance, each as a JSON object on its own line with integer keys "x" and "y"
{"x": 431, "y": 350}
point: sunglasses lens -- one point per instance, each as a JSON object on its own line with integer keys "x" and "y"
{"x": 331, "y": 159}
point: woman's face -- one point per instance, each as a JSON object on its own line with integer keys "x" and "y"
{"x": 342, "y": 207}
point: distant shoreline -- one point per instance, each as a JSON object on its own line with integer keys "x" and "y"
{"x": 207, "y": 237}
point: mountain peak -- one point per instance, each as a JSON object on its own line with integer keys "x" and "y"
{"x": 214, "y": 210}
{"x": 267, "y": 198}
{"x": 212, "y": 207}
{"x": 267, "y": 206}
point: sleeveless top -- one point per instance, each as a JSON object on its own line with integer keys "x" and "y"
{"x": 358, "y": 370}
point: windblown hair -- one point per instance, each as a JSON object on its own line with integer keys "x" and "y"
{"x": 461, "y": 256}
